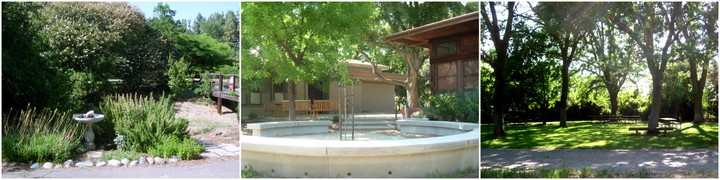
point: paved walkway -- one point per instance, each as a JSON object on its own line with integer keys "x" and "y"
{"x": 662, "y": 160}
{"x": 218, "y": 169}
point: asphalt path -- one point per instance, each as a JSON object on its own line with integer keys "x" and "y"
{"x": 659, "y": 160}
{"x": 216, "y": 169}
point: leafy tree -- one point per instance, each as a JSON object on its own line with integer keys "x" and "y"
{"x": 702, "y": 19}
{"x": 197, "y": 24}
{"x": 213, "y": 26}
{"x": 179, "y": 74}
{"x": 87, "y": 39}
{"x": 163, "y": 19}
{"x": 28, "y": 78}
{"x": 230, "y": 30}
{"x": 568, "y": 24}
{"x": 299, "y": 41}
{"x": 612, "y": 59}
{"x": 499, "y": 62}
{"x": 646, "y": 23}
{"x": 203, "y": 52}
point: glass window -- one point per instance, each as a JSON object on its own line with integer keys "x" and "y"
{"x": 255, "y": 98}
{"x": 446, "y": 78}
{"x": 446, "y": 48}
{"x": 470, "y": 74}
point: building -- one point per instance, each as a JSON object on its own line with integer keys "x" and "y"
{"x": 371, "y": 95}
{"x": 453, "y": 49}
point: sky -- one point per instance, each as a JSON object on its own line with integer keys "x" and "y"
{"x": 188, "y": 10}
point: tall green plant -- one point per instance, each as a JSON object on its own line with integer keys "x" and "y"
{"x": 179, "y": 76}
{"x": 40, "y": 135}
{"x": 142, "y": 121}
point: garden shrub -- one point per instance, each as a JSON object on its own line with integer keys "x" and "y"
{"x": 171, "y": 145}
{"x": 120, "y": 154}
{"x": 142, "y": 121}
{"x": 179, "y": 74}
{"x": 451, "y": 107}
{"x": 205, "y": 85}
{"x": 39, "y": 136}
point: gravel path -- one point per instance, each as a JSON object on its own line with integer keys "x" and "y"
{"x": 657, "y": 160}
{"x": 217, "y": 169}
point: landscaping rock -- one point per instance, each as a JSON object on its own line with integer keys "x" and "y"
{"x": 13, "y": 164}
{"x": 100, "y": 164}
{"x": 35, "y": 166}
{"x": 173, "y": 159}
{"x": 84, "y": 164}
{"x": 133, "y": 163}
{"x": 159, "y": 160}
{"x": 142, "y": 160}
{"x": 125, "y": 161}
{"x": 94, "y": 154}
{"x": 114, "y": 163}
{"x": 58, "y": 166}
{"x": 208, "y": 155}
{"x": 222, "y": 132}
{"x": 222, "y": 152}
{"x": 47, "y": 165}
{"x": 151, "y": 160}
{"x": 230, "y": 147}
{"x": 68, "y": 163}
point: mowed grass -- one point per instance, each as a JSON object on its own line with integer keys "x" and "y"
{"x": 588, "y": 135}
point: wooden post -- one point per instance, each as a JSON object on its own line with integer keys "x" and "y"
{"x": 219, "y": 95}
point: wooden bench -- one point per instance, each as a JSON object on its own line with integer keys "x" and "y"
{"x": 300, "y": 106}
{"x": 324, "y": 106}
{"x": 638, "y": 129}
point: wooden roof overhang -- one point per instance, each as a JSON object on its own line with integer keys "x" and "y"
{"x": 421, "y": 36}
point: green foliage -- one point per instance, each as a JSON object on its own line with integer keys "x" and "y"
{"x": 142, "y": 121}
{"x": 180, "y": 79}
{"x": 171, "y": 145}
{"x": 252, "y": 116}
{"x": 586, "y": 135}
{"x": 451, "y": 107}
{"x": 120, "y": 154}
{"x": 29, "y": 77}
{"x": 203, "y": 52}
{"x": 205, "y": 85}
{"x": 459, "y": 174}
{"x": 39, "y": 136}
{"x": 249, "y": 172}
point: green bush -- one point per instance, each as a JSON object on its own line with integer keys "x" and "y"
{"x": 120, "y": 154}
{"x": 451, "y": 107}
{"x": 205, "y": 85}
{"x": 40, "y": 135}
{"x": 252, "y": 116}
{"x": 179, "y": 76}
{"x": 142, "y": 121}
{"x": 185, "y": 149}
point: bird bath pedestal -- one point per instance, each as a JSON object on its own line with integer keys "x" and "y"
{"x": 89, "y": 134}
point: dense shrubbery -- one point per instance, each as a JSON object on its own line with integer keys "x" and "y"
{"x": 179, "y": 77}
{"x": 40, "y": 135}
{"x": 451, "y": 107}
{"x": 142, "y": 121}
{"x": 171, "y": 145}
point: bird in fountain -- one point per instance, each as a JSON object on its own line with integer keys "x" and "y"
{"x": 90, "y": 114}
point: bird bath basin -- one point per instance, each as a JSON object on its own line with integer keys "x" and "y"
{"x": 89, "y": 119}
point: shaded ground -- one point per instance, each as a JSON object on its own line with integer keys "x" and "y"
{"x": 587, "y": 135}
{"x": 659, "y": 162}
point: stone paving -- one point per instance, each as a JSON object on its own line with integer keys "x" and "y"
{"x": 213, "y": 151}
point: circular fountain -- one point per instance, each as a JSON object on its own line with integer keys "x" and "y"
{"x": 453, "y": 146}
{"x": 88, "y": 119}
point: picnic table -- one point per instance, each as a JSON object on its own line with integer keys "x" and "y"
{"x": 671, "y": 122}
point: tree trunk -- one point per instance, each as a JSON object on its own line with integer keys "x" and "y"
{"x": 498, "y": 99}
{"x": 655, "y": 106}
{"x": 564, "y": 93}
{"x": 291, "y": 100}
{"x": 697, "y": 91}
{"x": 613, "y": 99}
{"x": 413, "y": 99}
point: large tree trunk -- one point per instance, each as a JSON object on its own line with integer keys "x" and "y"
{"x": 413, "y": 99}
{"x": 655, "y": 106}
{"x": 613, "y": 91}
{"x": 499, "y": 98}
{"x": 697, "y": 91}
{"x": 564, "y": 93}
{"x": 291, "y": 100}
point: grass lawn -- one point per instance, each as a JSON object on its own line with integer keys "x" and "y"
{"x": 586, "y": 135}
